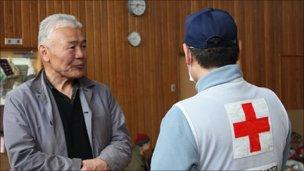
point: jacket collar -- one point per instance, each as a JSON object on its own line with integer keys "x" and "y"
{"x": 84, "y": 82}
{"x": 40, "y": 88}
{"x": 219, "y": 76}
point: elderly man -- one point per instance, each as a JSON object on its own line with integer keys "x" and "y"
{"x": 229, "y": 124}
{"x": 62, "y": 120}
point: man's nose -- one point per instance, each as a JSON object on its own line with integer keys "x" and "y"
{"x": 80, "y": 53}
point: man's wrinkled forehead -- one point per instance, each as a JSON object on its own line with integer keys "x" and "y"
{"x": 66, "y": 34}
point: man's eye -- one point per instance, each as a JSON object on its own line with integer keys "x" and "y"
{"x": 84, "y": 46}
{"x": 72, "y": 47}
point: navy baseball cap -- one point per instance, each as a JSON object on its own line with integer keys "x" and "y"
{"x": 210, "y": 28}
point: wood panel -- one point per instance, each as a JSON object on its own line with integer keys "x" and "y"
{"x": 1, "y": 23}
{"x": 25, "y": 22}
{"x": 34, "y": 23}
{"x": 17, "y": 19}
{"x": 4, "y": 163}
{"x": 11, "y": 21}
{"x": 41, "y": 11}
{"x": 8, "y": 19}
{"x": 292, "y": 89}
{"x": 292, "y": 79}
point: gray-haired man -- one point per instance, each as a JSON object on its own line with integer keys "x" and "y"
{"x": 61, "y": 120}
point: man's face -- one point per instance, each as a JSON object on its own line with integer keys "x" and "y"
{"x": 66, "y": 52}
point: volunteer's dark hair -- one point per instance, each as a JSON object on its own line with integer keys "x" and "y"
{"x": 216, "y": 57}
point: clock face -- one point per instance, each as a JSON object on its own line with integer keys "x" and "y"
{"x": 134, "y": 38}
{"x": 137, "y": 7}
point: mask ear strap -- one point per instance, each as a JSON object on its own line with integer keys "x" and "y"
{"x": 188, "y": 54}
{"x": 189, "y": 72}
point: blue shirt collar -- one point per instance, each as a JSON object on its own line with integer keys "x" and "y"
{"x": 219, "y": 76}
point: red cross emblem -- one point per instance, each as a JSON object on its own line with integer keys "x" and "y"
{"x": 251, "y": 127}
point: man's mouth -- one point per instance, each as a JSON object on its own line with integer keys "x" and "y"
{"x": 79, "y": 66}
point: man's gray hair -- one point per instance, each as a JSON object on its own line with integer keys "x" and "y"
{"x": 52, "y": 22}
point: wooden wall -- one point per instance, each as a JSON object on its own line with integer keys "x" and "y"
{"x": 271, "y": 33}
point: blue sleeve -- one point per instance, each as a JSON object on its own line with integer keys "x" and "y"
{"x": 175, "y": 148}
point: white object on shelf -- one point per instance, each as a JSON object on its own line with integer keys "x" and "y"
{"x": 24, "y": 61}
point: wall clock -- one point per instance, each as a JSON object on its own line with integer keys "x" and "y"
{"x": 137, "y": 7}
{"x": 134, "y": 38}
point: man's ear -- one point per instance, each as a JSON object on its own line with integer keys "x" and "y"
{"x": 188, "y": 55}
{"x": 43, "y": 51}
{"x": 240, "y": 44}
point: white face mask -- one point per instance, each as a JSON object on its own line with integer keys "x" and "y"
{"x": 189, "y": 72}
